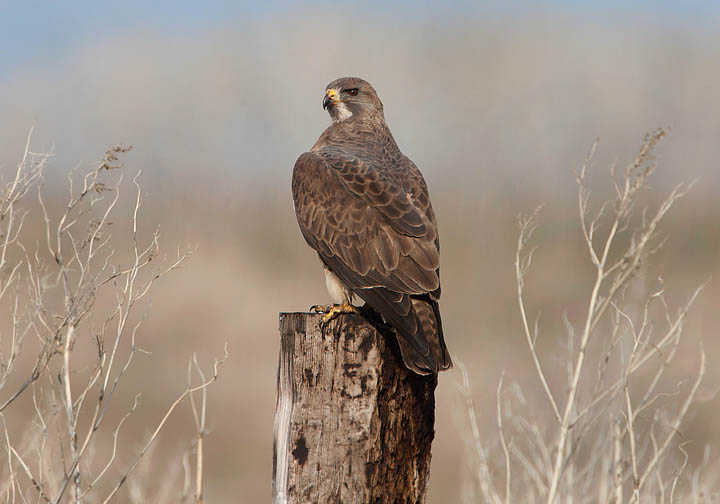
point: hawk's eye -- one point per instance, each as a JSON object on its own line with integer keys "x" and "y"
{"x": 352, "y": 92}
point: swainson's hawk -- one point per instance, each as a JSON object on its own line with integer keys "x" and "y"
{"x": 365, "y": 208}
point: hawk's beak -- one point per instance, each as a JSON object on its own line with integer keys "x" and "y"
{"x": 330, "y": 98}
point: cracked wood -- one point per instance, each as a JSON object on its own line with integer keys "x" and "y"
{"x": 352, "y": 423}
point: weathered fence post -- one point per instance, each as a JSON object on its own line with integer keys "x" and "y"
{"x": 352, "y": 424}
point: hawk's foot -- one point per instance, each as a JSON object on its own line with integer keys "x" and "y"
{"x": 335, "y": 310}
{"x": 318, "y": 308}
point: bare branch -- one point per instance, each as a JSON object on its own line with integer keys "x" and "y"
{"x": 169, "y": 411}
{"x": 610, "y": 441}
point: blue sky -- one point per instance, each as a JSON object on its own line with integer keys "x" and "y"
{"x": 35, "y": 32}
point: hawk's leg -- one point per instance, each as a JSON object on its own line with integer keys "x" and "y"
{"x": 336, "y": 310}
{"x": 340, "y": 293}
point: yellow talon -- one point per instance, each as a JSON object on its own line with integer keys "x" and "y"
{"x": 336, "y": 310}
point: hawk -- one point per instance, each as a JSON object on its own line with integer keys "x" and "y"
{"x": 365, "y": 208}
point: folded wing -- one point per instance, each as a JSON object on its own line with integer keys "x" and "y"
{"x": 381, "y": 241}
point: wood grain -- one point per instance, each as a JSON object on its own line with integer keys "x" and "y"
{"x": 352, "y": 423}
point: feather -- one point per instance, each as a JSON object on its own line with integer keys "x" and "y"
{"x": 364, "y": 207}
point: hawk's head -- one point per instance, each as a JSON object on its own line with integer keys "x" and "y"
{"x": 352, "y": 97}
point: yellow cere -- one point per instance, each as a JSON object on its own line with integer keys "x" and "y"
{"x": 331, "y": 93}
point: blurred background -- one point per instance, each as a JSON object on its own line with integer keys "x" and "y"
{"x": 497, "y": 103}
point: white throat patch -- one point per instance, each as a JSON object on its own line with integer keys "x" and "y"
{"x": 342, "y": 112}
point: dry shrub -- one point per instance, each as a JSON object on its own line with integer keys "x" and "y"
{"x": 613, "y": 433}
{"x": 76, "y": 298}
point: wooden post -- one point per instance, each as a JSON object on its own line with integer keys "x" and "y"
{"x": 352, "y": 423}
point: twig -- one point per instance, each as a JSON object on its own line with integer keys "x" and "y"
{"x": 157, "y": 430}
{"x": 522, "y": 264}
{"x": 502, "y": 442}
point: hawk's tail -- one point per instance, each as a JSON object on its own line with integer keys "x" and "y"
{"x": 427, "y": 313}
{"x": 418, "y": 327}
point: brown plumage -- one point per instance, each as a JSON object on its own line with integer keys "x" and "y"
{"x": 365, "y": 208}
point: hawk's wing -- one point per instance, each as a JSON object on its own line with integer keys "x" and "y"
{"x": 380, "y": 242}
